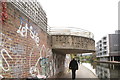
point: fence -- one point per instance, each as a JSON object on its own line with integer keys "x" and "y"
{"x": 70, "y": 31}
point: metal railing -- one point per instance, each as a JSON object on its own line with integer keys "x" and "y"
{"x": 70, "y": 31}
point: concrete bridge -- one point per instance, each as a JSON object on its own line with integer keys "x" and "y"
{"x": 72, "y": 40}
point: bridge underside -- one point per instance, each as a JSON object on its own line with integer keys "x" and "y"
{"x": 72, "y": 51}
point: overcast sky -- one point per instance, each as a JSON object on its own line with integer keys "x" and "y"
{"x": 97, "y": 16}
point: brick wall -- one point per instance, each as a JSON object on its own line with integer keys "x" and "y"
{"x": 25, "y": 48}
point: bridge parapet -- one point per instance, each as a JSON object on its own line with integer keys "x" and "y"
{"x": 70, "y": 31}
{"x": 72, "y": 44}
{"x": 71, "y": 40}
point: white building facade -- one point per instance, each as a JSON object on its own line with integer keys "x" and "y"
{"x": 108, "y": 48}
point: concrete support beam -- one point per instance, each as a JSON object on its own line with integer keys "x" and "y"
{"x": 72, "y": 43}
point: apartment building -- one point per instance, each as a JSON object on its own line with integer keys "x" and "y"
{"x": 108, "y": 48}
{"x": 33, "y": 10}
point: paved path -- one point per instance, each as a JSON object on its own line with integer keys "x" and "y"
{"x": 82, "y": 72}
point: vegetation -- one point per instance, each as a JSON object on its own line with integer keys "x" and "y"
{"x": 84, "y": 58}
{"x": 88, "y": 58}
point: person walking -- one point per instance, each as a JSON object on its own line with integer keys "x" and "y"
{"x": 73, "y": 66}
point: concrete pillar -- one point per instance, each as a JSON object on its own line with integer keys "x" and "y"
{"x": 113, "y": 58}
{"x": 110, "y": 58}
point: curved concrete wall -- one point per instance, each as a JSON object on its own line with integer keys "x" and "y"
{"x": 72, "y": 44}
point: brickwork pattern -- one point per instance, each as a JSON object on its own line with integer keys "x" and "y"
{"x": 25, "y": 50}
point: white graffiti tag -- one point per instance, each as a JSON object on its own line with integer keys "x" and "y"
{"x": 23, "y": 30}
{"x": 34, "y": 69}
{"x": 2, "y": 52}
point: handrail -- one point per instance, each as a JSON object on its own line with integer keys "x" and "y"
{"x": 70, "y": 31}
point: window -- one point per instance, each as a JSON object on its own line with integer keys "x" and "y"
{"x": 105, "y": 48}
{"x": 104, "y": 38}
{"x": 104, "y": 43}
{"x": 104, "y": 52}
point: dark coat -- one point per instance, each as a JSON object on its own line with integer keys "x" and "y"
{"x": 73, "y": 65}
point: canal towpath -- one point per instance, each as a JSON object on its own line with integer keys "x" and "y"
{"x": 82, "y": 72}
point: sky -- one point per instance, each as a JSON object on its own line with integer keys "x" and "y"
{"x": 97, "y": 16}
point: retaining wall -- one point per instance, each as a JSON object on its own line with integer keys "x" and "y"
{"x": 25, "y": 49}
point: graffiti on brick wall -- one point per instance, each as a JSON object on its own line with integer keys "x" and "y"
{"x": 4, "y": 11}
{"x": 23, "y": 30}
{"x": 17, "y": 49}
{"x": 42, "y": 68}
{"x": 16, "y": 68}
{"x": 50, "y": 63}
{"x": 3, "y": 51}
{"x": 59, "y": 63}
{"x": 44, "y": 62}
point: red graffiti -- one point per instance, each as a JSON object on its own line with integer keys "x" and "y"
{"x": 4, "y": 14}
